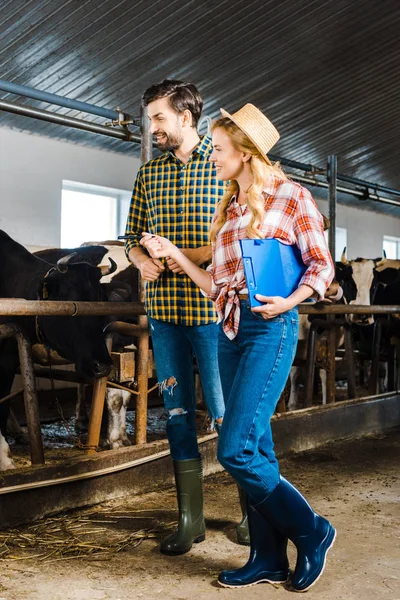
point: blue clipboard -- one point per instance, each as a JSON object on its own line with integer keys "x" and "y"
{"x": 271, "y": 268}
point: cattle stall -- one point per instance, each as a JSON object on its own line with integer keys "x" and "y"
{"x": 84, "y": 480}
{"x": 95, "y": 476}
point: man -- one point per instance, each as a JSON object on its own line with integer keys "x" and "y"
{"x": 175, "y": 196}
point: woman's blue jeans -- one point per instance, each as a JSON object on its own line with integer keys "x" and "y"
{"x": 254, "y": 368}
{"x": 174, "y": 347}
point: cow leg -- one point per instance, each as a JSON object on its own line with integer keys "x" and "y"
{"x": 6, "y": 461}
{"x": 294, "y": 388}
{"x": 126, "y": 396}
{"x": 322, "y": 374}
{"x": 16, "y": 431}
{"x": 81, "y": 412}
{"x": 117, "y": 402}
{"x": 9, "y": 363}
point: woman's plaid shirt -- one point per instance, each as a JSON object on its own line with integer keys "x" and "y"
{"x": 176, "y": 201}
{"x": 292, "y": 217}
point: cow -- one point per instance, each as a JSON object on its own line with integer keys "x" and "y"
{"x": 125, "y": 274}
{"x": 78, "y": 339}
{"x": 333, "y": 294}
{"x": 99, "y": 254}
{"x": 370, "y": 281}
{"x": 360, "y": 279}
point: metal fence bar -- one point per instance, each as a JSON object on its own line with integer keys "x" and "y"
{"x": 22, "y": 308}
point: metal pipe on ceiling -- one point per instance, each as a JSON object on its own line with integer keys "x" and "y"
{"x": 45, "y": 115}
{"x": 372, "y": 186}
{"x": 24, "y": 90}
{"x": 309, "y": 168}
{"x": 286, "y": 162}
{"x": 344, "y": 190}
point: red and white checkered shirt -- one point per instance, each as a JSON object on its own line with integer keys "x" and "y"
{"x": 292, "y": 217}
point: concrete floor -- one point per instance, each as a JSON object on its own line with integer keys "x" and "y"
{"x": 354, "y": 483}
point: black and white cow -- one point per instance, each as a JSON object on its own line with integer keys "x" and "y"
{"x": 125, "y": 274}
{"x": 366, "y": 282}
{"x": 360, "y": 279}
{"x": 333, "y": 295}
{"x": 78, "y": 339}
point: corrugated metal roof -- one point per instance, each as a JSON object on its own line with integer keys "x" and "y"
{"x": 324, "y": 71}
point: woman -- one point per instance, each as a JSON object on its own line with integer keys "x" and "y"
{"x": 256, "y": 346}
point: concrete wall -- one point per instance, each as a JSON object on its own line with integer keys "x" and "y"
{"x": 32, "y": 169}
{"x": 365, "y": 229}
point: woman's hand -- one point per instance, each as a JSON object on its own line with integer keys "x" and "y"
{"x": 274, "y": 306}
{"x": 158, "y": 246}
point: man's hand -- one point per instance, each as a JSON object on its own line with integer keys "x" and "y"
{"x": 150, "y": 269}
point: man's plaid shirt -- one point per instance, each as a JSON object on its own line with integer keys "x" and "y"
{"x": 176, "y": 201}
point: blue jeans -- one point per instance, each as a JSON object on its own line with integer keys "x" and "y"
{"x": 174, "y": 347}
{"x": 254, "y": 368}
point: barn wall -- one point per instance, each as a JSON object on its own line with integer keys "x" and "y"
{"x": 31, "y": 172}
{"x": 365, "y": 229}
{"x": 32, "y": 169}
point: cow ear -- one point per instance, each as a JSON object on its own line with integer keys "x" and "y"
{"x": 118, "y": 291}
{"x": 387, "y": 276}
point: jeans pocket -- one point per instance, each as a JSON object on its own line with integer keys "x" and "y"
{"x": 259, "y": 317}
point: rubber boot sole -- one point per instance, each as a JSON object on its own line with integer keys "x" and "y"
{"x": 273, "y": 581}
{"x": 330, "y": 540}
{"x": 197, "y": 540}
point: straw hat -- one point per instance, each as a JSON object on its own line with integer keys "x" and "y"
{"x": 256, "y": 126}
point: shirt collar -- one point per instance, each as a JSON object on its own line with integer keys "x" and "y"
{"x": 203, "y": 148}
{"x": 268, "y": 190}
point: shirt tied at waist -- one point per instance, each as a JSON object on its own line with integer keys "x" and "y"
{"x": 228, "y": 307}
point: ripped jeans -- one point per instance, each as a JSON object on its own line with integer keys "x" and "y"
{"x": 174, "y": 347}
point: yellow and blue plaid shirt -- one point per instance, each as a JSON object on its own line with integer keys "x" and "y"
{"x": 176, "y": 201}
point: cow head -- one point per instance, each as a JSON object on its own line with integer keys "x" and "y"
{"x": 359, "y": 281}
{"x": 79, "y": 339}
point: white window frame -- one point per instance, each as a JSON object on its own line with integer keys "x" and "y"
{"x": 392, "y": 239}
{"x": 122, "y": 201}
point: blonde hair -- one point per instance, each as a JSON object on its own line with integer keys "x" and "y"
{"x": 261, "y": 169}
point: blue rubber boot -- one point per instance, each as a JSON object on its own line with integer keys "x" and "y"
{"x": 312, "y": 535}
{"x": 268, "y": 560}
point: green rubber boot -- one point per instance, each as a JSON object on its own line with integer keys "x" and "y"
{"x": 242, "y": 530}
{"x": 191, "y": 527}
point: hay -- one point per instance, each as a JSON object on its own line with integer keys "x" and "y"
{"x": 71, "y": 537}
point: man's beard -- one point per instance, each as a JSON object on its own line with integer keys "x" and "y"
{"x": 173, "y": 141}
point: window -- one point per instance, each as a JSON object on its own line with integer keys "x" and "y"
{"x": 341, "y": 241}
{"x": 91, "y": 213}
{"x": 391, "y": 245}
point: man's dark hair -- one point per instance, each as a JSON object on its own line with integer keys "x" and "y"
{"x": 182, "y": 96}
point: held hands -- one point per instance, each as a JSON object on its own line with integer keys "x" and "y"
{"x": 159, "y": 247}
{"x": 274, "y": 306}
{"x": 150, "y": 269}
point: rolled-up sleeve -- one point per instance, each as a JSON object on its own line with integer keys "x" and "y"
{"x": 137, "y": 215}
{"x": 310, "y": 238}
{"x": 213, "y": 295}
